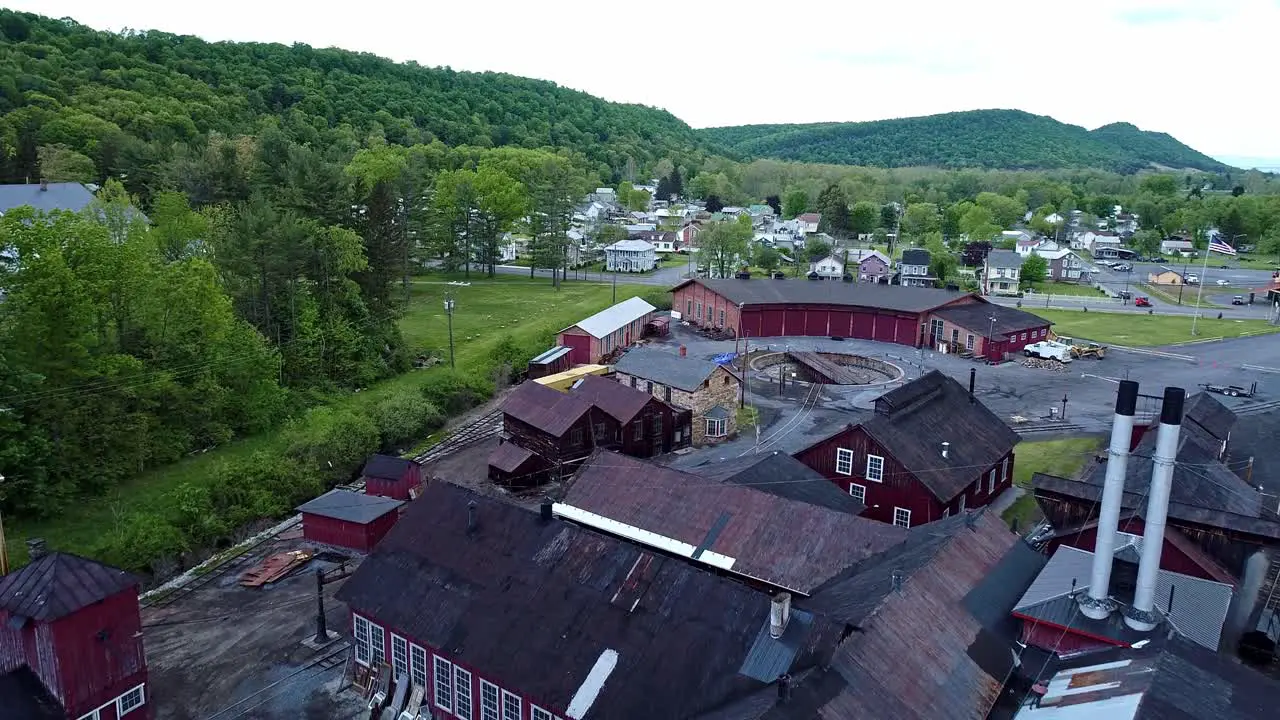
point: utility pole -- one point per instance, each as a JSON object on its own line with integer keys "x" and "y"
{"x": 448, "y": 311}
{"x": 4, "y": 545}
{"x": 742, "y": 379}
{"x": 615, "y": 280}
{"x": 322, "y": 632}
{"x": 1200, "y": 291}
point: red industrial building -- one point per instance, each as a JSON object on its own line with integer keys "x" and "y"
{"x": 946, "y": 320}
{"x": 606, "y": 331}
{"x": 349, "y": 519}
{"x": 931, "y": 450}
{"x": 71, "y": 641}
{"x": 391, "y": 476}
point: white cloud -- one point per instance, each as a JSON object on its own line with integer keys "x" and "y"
{"x": 1197, "y": 70}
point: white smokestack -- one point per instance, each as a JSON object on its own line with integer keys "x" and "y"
{"x": 946, "y": 449}
{"x": 779, "y": 614}
{"x": 1142, "y": 615}
{"x": 1097, "y": 603}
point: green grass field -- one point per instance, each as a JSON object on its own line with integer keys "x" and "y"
{"x": 1138, "y": 330}
{"x": 1054, "y": 457}
{"x": 1170, "y": 294}
{"x": 1064, "y": 288}
{"x": 484, "y": 313}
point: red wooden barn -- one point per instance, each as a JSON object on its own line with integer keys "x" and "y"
{"x": 71, "y": 641}
{"x": 930, "y": 450}
{"x": 349, "y": 519}
{"x": 612, "y": 328}
{"x": 391, "y": 476}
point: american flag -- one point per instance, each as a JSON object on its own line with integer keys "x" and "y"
{"x": 1220, "y": 247}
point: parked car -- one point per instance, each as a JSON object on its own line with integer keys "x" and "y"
{"x": 1223, "y": 282}
{"x": 1123, "y": 267}
{"x": 1142, "y": 302}
{"x": 1224, "y": 267}
{"x": 1124, "y": 295}
{"x": 1193, "y": 279}
{"x": 1237, "y": 299}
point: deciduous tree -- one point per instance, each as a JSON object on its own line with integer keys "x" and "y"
{"x": 1034, "y": 269}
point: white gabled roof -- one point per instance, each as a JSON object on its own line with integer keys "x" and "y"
{"x": 632, "y": 245}
{"x": 611, "y": 319}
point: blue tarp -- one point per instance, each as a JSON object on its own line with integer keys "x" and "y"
{"x": 724, "y": 358}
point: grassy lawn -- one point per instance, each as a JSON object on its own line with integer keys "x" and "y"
{"x": 1065, "y": 288}
{"x": 1140, "y": 330}
{"x": 1169, "y": 294}
{"x": 485, "y": 312}
{"x": 1064, "y": 458}
{"x": 1255, "y": 262}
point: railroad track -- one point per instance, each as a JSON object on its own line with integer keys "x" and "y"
{"x": 1257, "y": 408}
{"x": 214, "y": 571}
{"x": 1045, "y": 427}
{"x": 474, "y": 432}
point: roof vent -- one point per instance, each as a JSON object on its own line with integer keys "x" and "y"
{"x": 946, "y": 449}
{"x": 895, "y": 579}
{"x": 471, "y": 517}
{"x": 779, "y": 614}
{"x": 784, "y": 687}
{"x": 36, "y": 549}
{"x": 546, "y": 510}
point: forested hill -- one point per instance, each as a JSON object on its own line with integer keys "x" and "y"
{"x": 998, "y": 139}
{"x": 117, "y": 97}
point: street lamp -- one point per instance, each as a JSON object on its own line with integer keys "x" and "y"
{"x": 991, "y": 333}
{"x": 448, "y": 311}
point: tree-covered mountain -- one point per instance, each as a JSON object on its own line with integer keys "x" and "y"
{"x": 1002, "y": 139}
{"x": 122, "y": 99}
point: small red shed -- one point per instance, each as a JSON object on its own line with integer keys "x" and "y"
{"x": 348, "y": 519}
{"x": 391, "y": 476}
{"x": 70, "y": 626}
{"x": 555, "y": 360}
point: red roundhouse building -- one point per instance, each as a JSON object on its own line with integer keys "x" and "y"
{"x": 71, "y": 642}
{"x": 931, "y": 450}
{"x": 349, "y": 519}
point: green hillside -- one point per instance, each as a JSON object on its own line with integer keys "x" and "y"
{"x": 999, "y": 139}
{"x": 124, "y": 99}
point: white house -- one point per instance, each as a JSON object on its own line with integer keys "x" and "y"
{"x": 605, "y": 195}
{"x": 1017, "y": 235}
{"x": 1036, "y": 245}
{"x": 1054, "y": 219}
{"x": 629, "y": 256}
{"x": 809, "y": 222}
{"x": 1002, "y": 272}
{"x": 1171, "y": 247}
{"x": 828, "y": 268}
{"x": 1093, "y": 241}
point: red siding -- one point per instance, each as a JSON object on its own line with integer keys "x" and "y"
{"x": 398, "y": 489}
{"x": 840, "y": 322}
{"x": 1053, "y": 638}
{"x": 86, "y": 659}
{"x": 793, "y": 321}
{"x": 1171, "y": 558}
{"x": 863, "y": 325}
{"x": 899, "y": 488}
{"x": 579, "y": 344}
{"x": 772, "y": 323}
{"x": 815, "y": 322}
{"x": 752, "y": 321}
{"x": 885, "y": 328}
{"x": 343, "y": 533}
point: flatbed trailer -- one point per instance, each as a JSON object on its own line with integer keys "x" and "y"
{"x": 1231, "y": 390}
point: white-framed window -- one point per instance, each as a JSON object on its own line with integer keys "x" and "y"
{"x": 95, "y": 715}
{"x": 444, "y": 683}
{"x": 538, "y": 713}
{"x": 875, "y": 468}
{"x": 1004, "y": 470}
{"x": 378, "y": 643}
{"x": 716, "y": 427}
{"x": 902, "y": 517}
{"x": 946, "y": 512}
{"x": 844, "y": 461}
{"x": 991, "y": 481}
{"x": 511, "y": 706}
{"x": 721, "y": 318}
{"x": 418, "y": 666}
{"x": 129, "y": 701}
{"x": 858, "y": 492}
{"x": 399, "y": 655}
{"x": 461, "y": 693}
{"x": 968, "y": 342}
{"x": 960, "y": 505}
{"x": 489, "y": 707}
{"x": 361, "y": 634}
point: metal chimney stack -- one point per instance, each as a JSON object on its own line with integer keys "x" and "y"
{"x": 1142, "y": 615}
{"x": 1097, "y": 603}
{"x": 779, "y": 614}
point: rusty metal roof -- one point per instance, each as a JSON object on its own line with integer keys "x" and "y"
{"x": 58, "y": 585}
{"x": 787, "y": 543}
{"x": 533, "y": 605}
{"x": 805, "y": 292}
{"x": 509, "y": 457}
{"x": 620, "y": 402}
{"x": 545, "y": 409}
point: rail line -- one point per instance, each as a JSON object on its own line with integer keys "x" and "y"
{"x": 474, "y": 432}
{"x": 216, "y": 570}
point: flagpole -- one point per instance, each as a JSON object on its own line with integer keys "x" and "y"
{"x": 1200, "y": 287}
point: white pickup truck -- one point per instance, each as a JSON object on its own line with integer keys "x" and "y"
{"x": 1048, "y": 350}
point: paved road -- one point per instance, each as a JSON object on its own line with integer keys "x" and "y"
{"x": 789, "y": 424}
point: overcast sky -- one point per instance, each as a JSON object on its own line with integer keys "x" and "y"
{"x": 1202, "y": 70}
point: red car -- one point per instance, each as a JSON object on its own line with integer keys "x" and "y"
{"x": 1142, "y": 302}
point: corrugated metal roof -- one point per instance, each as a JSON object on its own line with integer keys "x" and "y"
{"x": 59, "y": 584}
{"x": 350, "y": 506}
{"x": 545, "y": 409}
{"x": 508, "y": 457}
{"x": 619, "y": 401}
{"x": 777, "y": 473}
{"x": 806, "y": 292}
{"x": 770, "y": 657}
{"x": 530, "y": 604}
{"x": 615, "y": 318}
{"x": 667, "y": 368}
{"x": 386, "y": 467}
{"x": 549, "y": 356}
{"x": 977, "y": 319}
{"x": 1199, "y": 606}
{"x": 790, "y": 544}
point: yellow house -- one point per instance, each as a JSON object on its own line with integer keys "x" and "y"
{"x": 1165, "y": 277}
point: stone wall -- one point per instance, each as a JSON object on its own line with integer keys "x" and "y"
{"x": 714, "y": 392}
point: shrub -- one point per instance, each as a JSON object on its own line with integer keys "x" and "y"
{"x": 141, "y": 540}
{"x": 454, "y": 393}
{"x": 657, "y": 297}
{"x": 331, "y": 443}
{"x": 404, "y": 417}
